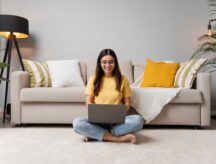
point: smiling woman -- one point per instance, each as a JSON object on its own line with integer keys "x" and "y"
{"x": 109, "y": 86}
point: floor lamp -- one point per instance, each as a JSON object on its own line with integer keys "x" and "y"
{"x": 12, "y": 27}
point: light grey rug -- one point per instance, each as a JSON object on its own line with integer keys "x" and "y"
{"x": 49, "y": 145}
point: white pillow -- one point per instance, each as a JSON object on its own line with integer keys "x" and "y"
{"x": 65, "y": 73}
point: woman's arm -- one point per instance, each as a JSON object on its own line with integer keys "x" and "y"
{"x": 127, "y": 102}
{"x": 89, "y": 99}
{"x": 89, "y": 91}
{"x": 126, "y": 93}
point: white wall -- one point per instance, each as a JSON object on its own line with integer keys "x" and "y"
{"x": 135, "y": 29}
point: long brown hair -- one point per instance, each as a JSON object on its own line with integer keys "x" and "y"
{"x": 99, "y": 73}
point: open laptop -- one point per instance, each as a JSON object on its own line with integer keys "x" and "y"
{"x": 106, "y": 113}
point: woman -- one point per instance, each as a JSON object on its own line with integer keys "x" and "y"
{"x": 108, "y": 86}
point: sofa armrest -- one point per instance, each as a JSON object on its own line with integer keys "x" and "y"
{"x": 203, "y": 83}
{"x": 19, "y": 80}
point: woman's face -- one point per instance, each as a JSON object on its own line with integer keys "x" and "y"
{"x": 107, "y": 64}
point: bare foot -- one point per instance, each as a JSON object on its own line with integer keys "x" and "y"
{"x": 125, "y": 138}
{"x": 129, "y": 138}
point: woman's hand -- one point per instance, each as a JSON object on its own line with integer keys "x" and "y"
{"x": 127, "y": 102}
{"x": 89, "y": 100}
{"x": 128, "y": 106}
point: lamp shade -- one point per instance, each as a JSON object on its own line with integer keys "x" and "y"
{"x": 17, "y": 25}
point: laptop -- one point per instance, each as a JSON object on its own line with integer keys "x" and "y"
{"x": 106, "y": 113}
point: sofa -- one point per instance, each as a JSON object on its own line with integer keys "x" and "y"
{"x": 61, "y": 105}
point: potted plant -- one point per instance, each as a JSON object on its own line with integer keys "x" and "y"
{"x": 207, "y": 48}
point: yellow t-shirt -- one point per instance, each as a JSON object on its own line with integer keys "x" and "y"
{"x": 108, "y": 93}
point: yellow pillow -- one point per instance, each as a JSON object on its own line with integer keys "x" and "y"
{"x": 159, "y": 74}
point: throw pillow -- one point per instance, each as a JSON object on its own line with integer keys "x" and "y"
{"x": 65, "y": 73}
{"x": 139, "y": 79}
{"x": 187, "y": 72}
{"x": 159, "y": 74}
{"x": 38, "y": 72}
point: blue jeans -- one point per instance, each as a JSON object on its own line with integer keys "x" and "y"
{"x": 133, "y": 123}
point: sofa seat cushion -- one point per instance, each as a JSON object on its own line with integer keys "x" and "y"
{"x": 188, "y": 96}
{"x": 67, "y": 94}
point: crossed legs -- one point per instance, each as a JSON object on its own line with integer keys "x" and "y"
{"x": 117, "y": 133}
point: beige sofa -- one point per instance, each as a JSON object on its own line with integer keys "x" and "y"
{"x": 62, "y": 105}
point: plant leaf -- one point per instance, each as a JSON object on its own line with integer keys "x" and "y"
{"x": 212, "y": 1}
{"x": 213, "y": 10}
{"x": 3, "y": 65}
{"x": 212, "y": 4}
{"x": 3, "y": 79}
{"x": 207, "y": 37}
{"x": 211, "y": 14}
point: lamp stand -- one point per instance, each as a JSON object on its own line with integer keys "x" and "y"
{"x": 7, "y": 59}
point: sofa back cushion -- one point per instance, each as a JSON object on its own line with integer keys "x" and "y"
{"x": 138, "y": 68}
{"x": 83, "y": 70}
{"x": 125, "y": 67}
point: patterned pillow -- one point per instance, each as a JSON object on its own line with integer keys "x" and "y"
{"x": 38, "y": 72}
{"x": 187, "y": 73}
